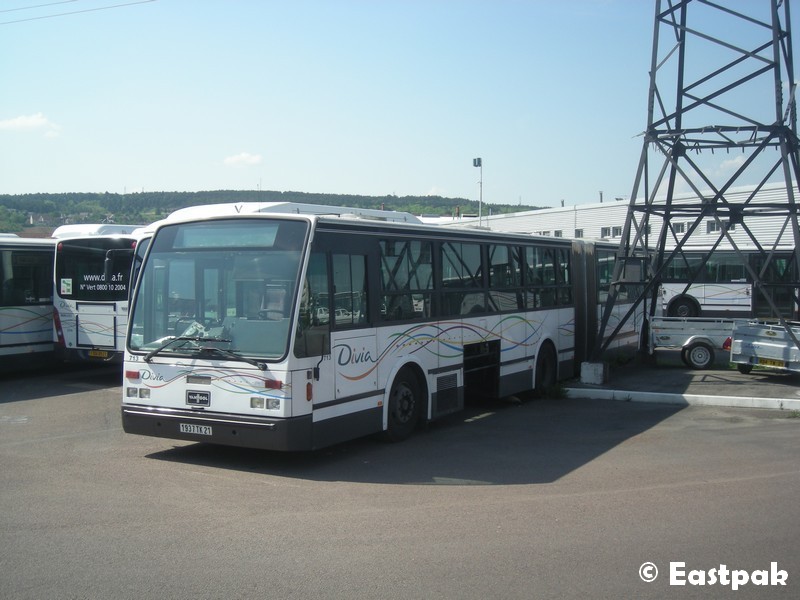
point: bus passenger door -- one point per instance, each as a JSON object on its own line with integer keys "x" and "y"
{"x": 354, "y": 349}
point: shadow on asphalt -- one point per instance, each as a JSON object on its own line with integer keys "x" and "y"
{"x": 57, "y": 379}
{"x": 539, "y": 441}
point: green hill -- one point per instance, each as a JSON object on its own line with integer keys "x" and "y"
{"x": 21, "y": 211}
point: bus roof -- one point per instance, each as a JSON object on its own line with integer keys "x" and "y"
{"x": 84, "y": 230}
{"x": 14, "y": 240}
{"x": 237, "y": 208}
{"x": 343, "y": 217}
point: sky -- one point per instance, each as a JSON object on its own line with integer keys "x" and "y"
{"x": 366, "y": 97}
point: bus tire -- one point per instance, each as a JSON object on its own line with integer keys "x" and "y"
{"x": 700, "y": 355}
{"x": 405, "y": 403}
{"x": 683, "y": 307}
{"x": 546, "y": 369}
{"x": 744, "y": 369}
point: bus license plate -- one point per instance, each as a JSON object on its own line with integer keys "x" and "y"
{"x": 98, "y": 353}
{"x": 195, "y": 429}
{"x": 770, "y": 362}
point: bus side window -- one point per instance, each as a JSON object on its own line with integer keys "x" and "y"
{"x": 313, "y": 325}
{"x": 349, "y": 290}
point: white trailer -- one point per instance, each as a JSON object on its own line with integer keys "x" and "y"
{"x": 698, "y": 338}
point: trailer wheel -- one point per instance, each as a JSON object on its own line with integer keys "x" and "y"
{"x": 700, "y": 355}
{"x": 744, "y": 369}
{"x": 684, "y": 358}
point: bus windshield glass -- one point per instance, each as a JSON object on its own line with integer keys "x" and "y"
{"x": 94, "y": 269}
{"x": 221, "y": 288}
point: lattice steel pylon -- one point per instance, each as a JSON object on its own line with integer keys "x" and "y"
{"x": 729, "y": 64}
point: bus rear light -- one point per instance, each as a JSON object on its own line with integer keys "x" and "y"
{"x": 58, "y": 328}
{"x": 727, "y": 344}
{"x": 273, "y": 384}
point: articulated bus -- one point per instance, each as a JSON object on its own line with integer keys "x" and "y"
{"x": 26, "y": 299}
{"x": 298, "y": 331}
{"x": 92, "y": 278}
{"x": 723, "y": 286}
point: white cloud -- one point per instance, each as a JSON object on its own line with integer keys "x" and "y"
{"x": 243, "y": 159}
{"x": 36, "y": 122}
{"x": 732, "y": 164}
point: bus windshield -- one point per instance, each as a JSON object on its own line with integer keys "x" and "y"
{"x": 221, "y": 288}
{"x": 94, "y": 269}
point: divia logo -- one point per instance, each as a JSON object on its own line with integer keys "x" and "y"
{"x": 347, "y": 355}
{"x": 150, "y": 376}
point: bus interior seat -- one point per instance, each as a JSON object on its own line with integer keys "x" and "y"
{"x": 273, "y": 303}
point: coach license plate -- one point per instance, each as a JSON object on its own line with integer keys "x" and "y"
{"x": 195, "y": 429}
{"x": 198, "y": 398}
{"x": 771, "y": 362}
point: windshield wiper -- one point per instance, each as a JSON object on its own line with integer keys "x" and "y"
{"x": 180, "y": 338}
{"x": 231, "y": 354}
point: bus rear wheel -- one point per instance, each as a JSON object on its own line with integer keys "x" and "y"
{"x": 405, "y": 402}
{"x": 546, "y": 369}
{"x": 682, "y": 307}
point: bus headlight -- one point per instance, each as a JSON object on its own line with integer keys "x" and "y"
{"x": 260, "y": 402}
{"x": 133, "y": 392}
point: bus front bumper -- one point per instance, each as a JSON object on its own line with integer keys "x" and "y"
{"x": 263, "y": 433}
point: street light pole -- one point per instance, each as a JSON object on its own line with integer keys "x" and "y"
{"x": 477, "y": 162}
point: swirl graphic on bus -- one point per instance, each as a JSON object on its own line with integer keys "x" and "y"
{"x": 444, "y": 340}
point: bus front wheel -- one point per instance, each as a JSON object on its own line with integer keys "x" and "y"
{"x": 405, "y": 401}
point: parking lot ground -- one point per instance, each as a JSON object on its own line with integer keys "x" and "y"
{"x": 667, "y": 380}
{"x": 552, "y": 498}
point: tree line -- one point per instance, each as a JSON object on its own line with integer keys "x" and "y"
{"x": 18, "y": 211}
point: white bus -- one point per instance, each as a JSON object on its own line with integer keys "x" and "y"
{"x": 295, "y": 332}
{"x": 92, "y": 278}
{"x": 26, "y": 300}
{"x": 701, "y": 281}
